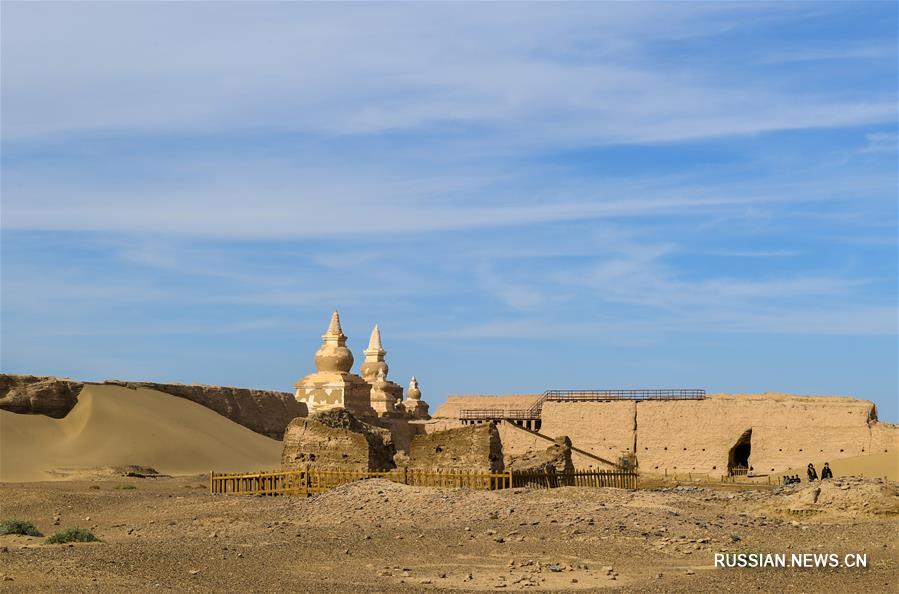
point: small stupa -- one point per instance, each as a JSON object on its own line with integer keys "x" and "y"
{"x": 332, "y": 385}
{"x": 382, "y": 402}
{"x": 414, "y": 406}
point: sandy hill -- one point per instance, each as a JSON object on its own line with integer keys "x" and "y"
{"x": 116, "y": 426}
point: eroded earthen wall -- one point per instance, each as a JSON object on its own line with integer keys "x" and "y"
{"x": 787, "y": 431}
{"x": 454, "y": 404}
{"x": 403, "y": 430}
{"x": 38, "y": 395}
{"x": 336, "y": 439}
{"x": 884, "y": 438}
{"x": 441, "y": 424}
{"x": 556, "y": 457}
{"x": 473, "y": 447}
{"x": 518, "y": 442}
{"x": 604, "y": 429}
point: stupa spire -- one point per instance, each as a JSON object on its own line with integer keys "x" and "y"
{"x": 374, "y": 357}
{"x": 334, "y": 328}
{"x": 374, "y": 343}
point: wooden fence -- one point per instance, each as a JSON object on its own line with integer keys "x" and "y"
{"x": 579, "y": 478}
{"x": 312, "y": 481}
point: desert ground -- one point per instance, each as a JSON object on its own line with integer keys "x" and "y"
{"x": 169, "y": 535}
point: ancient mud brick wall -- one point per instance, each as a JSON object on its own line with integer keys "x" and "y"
{"x": 335, "y": 439}
{"x": 473, "y": 447}
{"x": 884, "y": 438}
{"x": 403, "y": 430}
{"x": 787, "y": 431}
{"x": 441, "y": 424}
{"x": 518, "y": 442}
{"x": 556, "y": 457}
{"x": 38, "y": 395}
{"x": 454, "y": 403}
{"x": 605, "y": 429}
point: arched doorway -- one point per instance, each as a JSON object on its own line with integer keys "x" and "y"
{"x": 738, "y": 456}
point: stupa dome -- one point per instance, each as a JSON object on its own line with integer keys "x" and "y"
{"x": 334, "y": 356}
{"x": 413, "y": 392}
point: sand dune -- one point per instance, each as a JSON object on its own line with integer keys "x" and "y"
{"x": 116, "y": 426}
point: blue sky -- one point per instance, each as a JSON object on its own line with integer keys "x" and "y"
{"x": 524, "y": 197}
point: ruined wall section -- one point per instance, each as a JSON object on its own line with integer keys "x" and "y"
{"x": 38, "y": 395}
{"x": 884, "y": 438}
{"x": 604, "y": 429}
{"x": 335, "y": 439}
{"x": 555, "y": 458}
{"x": 518, "y": 442}
{"x": 455, "y": 403}
{"x": 441, "y": 424}
{"x": 787, "y": 431}
{"x": 402, "y": 429}
{"x": 469, "y": 448}
{"x": 678, "y": 436}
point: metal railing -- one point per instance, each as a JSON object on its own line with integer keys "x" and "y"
{"x": 665, "y": 394}
{"x": 491, "y": 414}
{"x": 535, "y": 410}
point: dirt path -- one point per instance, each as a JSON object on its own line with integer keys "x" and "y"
{"x": 168, "y": 535}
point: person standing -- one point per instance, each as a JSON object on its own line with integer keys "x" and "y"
{"x": 826, "y": 472}
{"x": 812, "y": 473}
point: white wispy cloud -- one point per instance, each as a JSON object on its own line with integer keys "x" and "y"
{"x": 593, "y": 174}
{"x": 553, "y": 74}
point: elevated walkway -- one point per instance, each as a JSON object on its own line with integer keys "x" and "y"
{"x": 530, "y": 418}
